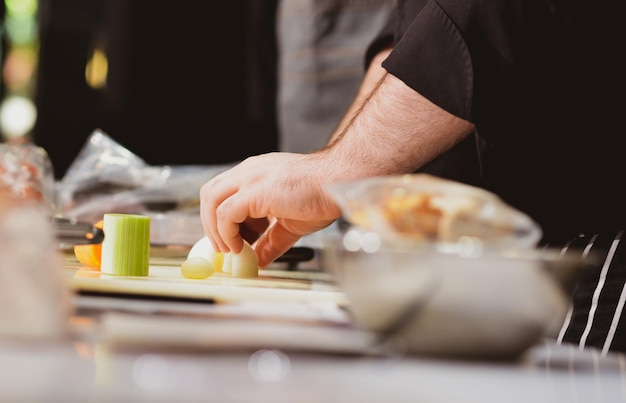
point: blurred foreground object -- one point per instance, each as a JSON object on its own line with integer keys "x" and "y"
{"x": 34, "y": 300}
{"x": 440, "y": 268}
{"x": 26, "y": 173}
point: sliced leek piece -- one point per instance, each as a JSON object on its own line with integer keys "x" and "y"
{"x": 126, "y": 245}
{"x": 227, "y": 262}
{"x": 204, "y": 248}
{"x": 197, "y": 267}
{"x": 242, "y": 264}
{"x": 245, "y": 263}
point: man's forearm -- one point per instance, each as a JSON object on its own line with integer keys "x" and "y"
{"x": 373, "y": 75}
{"x": 372, "y": 144}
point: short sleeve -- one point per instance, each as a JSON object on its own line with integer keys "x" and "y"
{"x": 432, "y": 58}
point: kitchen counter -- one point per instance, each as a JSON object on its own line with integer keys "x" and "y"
{"x": 83, "y": 371}
{"x": 123, "y": 347}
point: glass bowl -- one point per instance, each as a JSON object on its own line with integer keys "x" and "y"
{"x": 459, "y": 299}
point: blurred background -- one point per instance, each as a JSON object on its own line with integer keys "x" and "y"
{"x": 162, "y": 78}
{"x": 187, "y": 82}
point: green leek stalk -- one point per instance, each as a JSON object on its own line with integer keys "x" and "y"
{"x": 126, "y": 245}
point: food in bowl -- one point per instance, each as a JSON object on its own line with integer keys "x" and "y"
{"x": 442, "y": 268}
{"x": 422, "y": 207}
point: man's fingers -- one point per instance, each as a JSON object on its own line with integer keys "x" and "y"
{"x": 208, "y": 219}
{"x": 228, "y": 226}
{"x": 212, "y": 195}
{"x": 240, "y": 208}
{"x": 274, "y": 243}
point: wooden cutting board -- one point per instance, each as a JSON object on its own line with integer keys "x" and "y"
{"x": 165, "y": 281}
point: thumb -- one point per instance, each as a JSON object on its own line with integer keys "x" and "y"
{"x": 274, "y": 243}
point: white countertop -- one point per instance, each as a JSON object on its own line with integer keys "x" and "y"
{"x": 87, "y": 367}
{"x": 138, "y": 349}
{"x": 81, "y": 373}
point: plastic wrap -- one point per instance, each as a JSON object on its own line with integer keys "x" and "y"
{"x": 106, "y": 177}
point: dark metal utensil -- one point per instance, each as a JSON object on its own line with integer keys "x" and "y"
{"x": 72, "y": 232}
{"x": 296, "y": 255}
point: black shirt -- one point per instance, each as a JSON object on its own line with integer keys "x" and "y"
{"x": 542, "y": 81}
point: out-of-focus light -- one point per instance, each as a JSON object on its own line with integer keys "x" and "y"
{"x": 17, "y": 116}
{"x": 371, "y": 242}
{"x": 21, "y": 7}
{"x": 20, "y": 29}
{"x": 352, "y": 240}
{"x": 151, "y": 372}
{"x": 97, "y": 69}
{"x": 269, "y": 365}
{"x": 19, "y": 68}
{"x": 355, "y": 240}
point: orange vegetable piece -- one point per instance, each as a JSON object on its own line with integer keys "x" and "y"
{"x": 90, "y": 254}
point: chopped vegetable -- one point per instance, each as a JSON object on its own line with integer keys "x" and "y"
{"x": 197, "y": 267}
{"x": 217, "y": 260}
{"x": 204, "y": 248}
{"x": 243, "y": 264}
{"x": 126, "y": 245}
{"x": 90, "y": 254}
{"x": 227, "y": 263}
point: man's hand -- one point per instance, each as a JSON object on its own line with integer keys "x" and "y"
{"x": 282, "y": 186}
